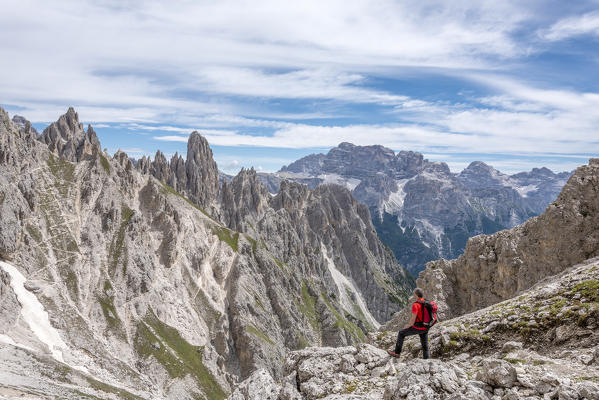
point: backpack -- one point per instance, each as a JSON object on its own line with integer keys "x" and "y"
{"x": 429, "y": 314}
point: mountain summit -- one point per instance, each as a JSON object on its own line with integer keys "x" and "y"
{"x": 153, "y": 280}
{"x": 420, "y": 209}
{"x": 519, "y": 317}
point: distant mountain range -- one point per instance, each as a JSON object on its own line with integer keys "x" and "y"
{"x": 420, "y": 209}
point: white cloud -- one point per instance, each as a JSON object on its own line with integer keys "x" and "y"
{"x": 182, "y": 139}
{"x": 130, "y": 60}
{"x": 177, "y": 129}
{"x": 520, "y": 119}
{"x": 497, "y": 133}
{"x": 319, "y": 83}
{"x": 586, "y": 24}
{"x": 216, "y": 67}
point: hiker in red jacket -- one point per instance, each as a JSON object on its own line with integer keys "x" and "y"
{"x": 423, "y": 317}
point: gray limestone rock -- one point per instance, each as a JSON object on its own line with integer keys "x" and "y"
{"x": 473, "y": 365}
{"x": 259, "y": 386}
{"x": 67, "y": 138}
{"x": 155, "y": 277}
{"x": 422, "y": 210}
{"x": 196, "y": 177}
{"x": 9, "y": 305}
{"x": 496, "y": 267}
{"x": 497, "y": 373}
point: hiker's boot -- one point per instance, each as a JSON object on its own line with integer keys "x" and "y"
{"x": 393, "y": 354}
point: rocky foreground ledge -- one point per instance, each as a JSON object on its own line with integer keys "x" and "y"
{"x": 544, "y": 344}
{"x": 367, "y": 372}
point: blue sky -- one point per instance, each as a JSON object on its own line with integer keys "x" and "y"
{"x": 511, "y": 83}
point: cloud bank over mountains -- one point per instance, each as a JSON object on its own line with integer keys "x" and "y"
{"x": 461, "y": 80}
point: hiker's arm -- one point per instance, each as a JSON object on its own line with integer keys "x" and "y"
{"x": 412, "y": 320}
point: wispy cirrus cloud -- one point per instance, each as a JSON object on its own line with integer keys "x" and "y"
{"x": 137, "y": 60}
{"x": 519, "y": 120}
{"x": 586, "y": 24}
{"x": 460, "y": 76}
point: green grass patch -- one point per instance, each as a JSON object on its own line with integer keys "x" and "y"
{"x": 449, "y": 346}
{"x": 105, "y": 164}
{"x": 252, "y": 241}
{"x": 34, "y": 232}
{"x": 307, "y": 306}
{"x": 60, "y": 168}
{"x": 522, "y": 324}
{"x": 525, "y": 332}
{"x": 256, "y": 298}
{"x": 176, "y": 355}
{"x": 70, "y": 278}
{"x": 81, "y": 395}
{"x": 344, "y": 323}
{"x": 169, "y": 189}
{"x": 350, "y": 387}
{"x": 586, "y": 378}
{"x": 104, "y": 387}
{"x": 465, "y": 335}
{"x": 303, "y": 342}
{"x": 258, "y": 333}
{"x": 358, "y": 313}
{"x": 117, "y": 246}
{"x": 259, "y": 303}
{"x": 398, "y": 297}
{"x": 588, "y": 289}
{"x": 109, "y": 310}
{"x": 63, "y": 171}
{"x": 557, "y": 306}
{"x": 226, "y": 235}
{"x": 279, "y": 263}
{"x": 72, "y": 246}
{"x": 210, "y": 314}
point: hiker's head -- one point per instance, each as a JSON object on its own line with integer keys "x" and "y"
{"x": 418, "y": 293}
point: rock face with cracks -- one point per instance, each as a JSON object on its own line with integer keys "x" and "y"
{"x": 496, "y": 267}
{"x": 162, "y": 283}
{"x": 420, "y": 209}
{"x": 542, "y": 345}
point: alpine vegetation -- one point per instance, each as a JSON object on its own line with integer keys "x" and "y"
{"x": 151, "y": 279}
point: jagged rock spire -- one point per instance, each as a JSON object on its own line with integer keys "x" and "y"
{"x": 67, "y": 138}
{"x": 196, "y": 177}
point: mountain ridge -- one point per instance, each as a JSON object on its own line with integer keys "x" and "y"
{"x": 167, "y": 293}
{"x": 420, "y": 209}
{"x": 518, "y": 311}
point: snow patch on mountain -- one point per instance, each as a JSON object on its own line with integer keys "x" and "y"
{"x": 8, "y": 340}
{"x": 34, "y": 314}
{"x": 524, "y": 190}
{"x": 293, "y": 175}
{"x": 349, "y": 183}
{"x": 446, "y": 182}
{"x": 423, "y": 225}
{"x": 394, "y": 204}
{"x": 344, "y": 285}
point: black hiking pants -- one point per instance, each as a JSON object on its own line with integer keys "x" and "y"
{"x": 409, "y": 332}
